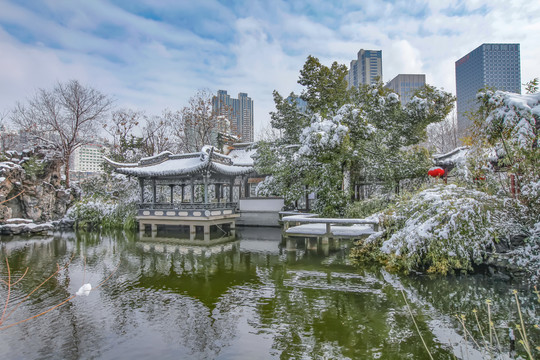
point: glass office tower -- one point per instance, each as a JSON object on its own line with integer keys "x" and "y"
{"x": 489, "y": 65}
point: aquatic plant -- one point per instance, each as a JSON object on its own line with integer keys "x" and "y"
{"x": 489, "y": 343}
{"x": 9, "y": 284}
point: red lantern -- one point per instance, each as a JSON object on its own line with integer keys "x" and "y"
{"x": 436, "y": 172}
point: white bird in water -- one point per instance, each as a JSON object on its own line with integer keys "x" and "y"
{"x": 84, "y": 290}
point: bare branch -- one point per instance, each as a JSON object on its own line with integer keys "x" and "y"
{"x": 68, "y": 116}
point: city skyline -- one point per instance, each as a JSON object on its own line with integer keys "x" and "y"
{"x": 239, "y": 112}
{"x": 154, "y": 56}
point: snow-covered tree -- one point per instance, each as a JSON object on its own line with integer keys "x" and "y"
{"x": 358, "y": 135}
{"x": 510, "y": 124}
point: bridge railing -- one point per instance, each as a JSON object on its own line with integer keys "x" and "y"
{"x": 188, "y": 206}
{"x": 298, "y": 219}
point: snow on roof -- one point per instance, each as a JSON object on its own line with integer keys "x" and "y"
{"x": 168, "y": 165}
{"x": 458, "y": 155}
{"x": 242, "y": 157}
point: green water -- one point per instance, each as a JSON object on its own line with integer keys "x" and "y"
{"x": 249, "y": 299}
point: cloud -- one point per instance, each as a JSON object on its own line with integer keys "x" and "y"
{"x": 151, "y": 55}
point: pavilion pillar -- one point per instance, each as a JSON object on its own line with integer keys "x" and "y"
{"x": 141, "y": 185}
{"x": 192, "y": 200}
{"x": 205, "y": 180}
{"x": 154, "y": 192}
{"x": 233, "y": 229}
{"x": 142, "y": 228}
{"x": 246, "y": 187}
{"x": 192, "y": 232}
{"x": 231, "y": 190}
{"x": 218, "y": 190}
{"x": 182, "y": 196}
{"x": 172, "y": 193}
{"x": 207, "y": 232}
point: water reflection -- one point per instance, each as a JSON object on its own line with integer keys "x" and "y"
{"x": 253, "y": 298}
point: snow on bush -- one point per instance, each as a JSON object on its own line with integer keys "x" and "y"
{"x": 322, "y": 135}
{"x": 514, "y": 115}
{"x": 446, "y": 228}
{"x": 107, "y": 202}
{"x": 528, "y": 256}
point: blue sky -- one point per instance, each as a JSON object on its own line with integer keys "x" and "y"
{"x": 153, "y": 55}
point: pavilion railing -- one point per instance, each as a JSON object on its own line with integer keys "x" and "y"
{"x": 188, "y": 206}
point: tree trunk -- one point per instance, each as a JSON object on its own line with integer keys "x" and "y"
{"x": 346, "y": 178}
{"x": 66, "y": 169}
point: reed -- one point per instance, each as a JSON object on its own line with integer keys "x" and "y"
{"x": 10, "y": 283}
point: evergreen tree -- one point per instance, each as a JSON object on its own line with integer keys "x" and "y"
{"x": 360, "y": 135}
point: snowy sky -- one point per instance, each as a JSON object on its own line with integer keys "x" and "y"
{"x": 155, "y": 54}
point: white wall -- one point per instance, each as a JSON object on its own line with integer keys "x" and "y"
{"x": 261, "y": 205}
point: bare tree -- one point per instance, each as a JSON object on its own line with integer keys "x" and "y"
{"x": 269, "y": 133}
{"x": 8, "y": 137}
{"x": 67, "y": 117}
{"x": 157, "y": 136}
{"x": 126, "y": 145}
{"x": 196, "y": 124}
{"x": 443, "y": 137}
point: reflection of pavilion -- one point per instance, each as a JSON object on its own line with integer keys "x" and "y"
{"x": 192, "y": 195}
{"x": 205, "y": 273}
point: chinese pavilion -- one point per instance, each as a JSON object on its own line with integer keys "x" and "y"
{"x": 192, "y": 195}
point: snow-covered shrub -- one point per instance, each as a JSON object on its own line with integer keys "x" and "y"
{"x": 107, "y": 202}
{"x": 367, "y": 207}
{"x": 107, "y": 214}
{"x": 331, "y": 199}
{"x": 511, "y": 117}
{"x": 530, "y": 196}
{"x": 527, "y": 257}
{"x": 444, "y": 228}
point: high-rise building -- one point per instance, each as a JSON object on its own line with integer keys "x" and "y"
{"x": 405, "y": 85}
{"x": 366, "y": 69}
{"x": 489, "y": 65}
{"x": 88, "y": 158}
{"x": 238, "y": 111}
{"x": 87, "y": 161}
{"x": 300, "y": 104}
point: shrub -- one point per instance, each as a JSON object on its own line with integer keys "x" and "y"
{"x": 442, "y": 229}
{"x": 367, "y": 207}
{"x": 103, "y": 207}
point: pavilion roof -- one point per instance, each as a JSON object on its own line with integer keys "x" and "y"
{"x": 242, "y": 156}
{"x": 168, "y": 165}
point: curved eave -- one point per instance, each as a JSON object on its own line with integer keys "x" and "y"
{"x": 165, "y": 169}
{"x": 231, "y": 170}
{"x": 158, "y": 171}
{"x": 119, "y": 165}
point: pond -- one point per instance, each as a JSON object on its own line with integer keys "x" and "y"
{"x": 248, "y": 299}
